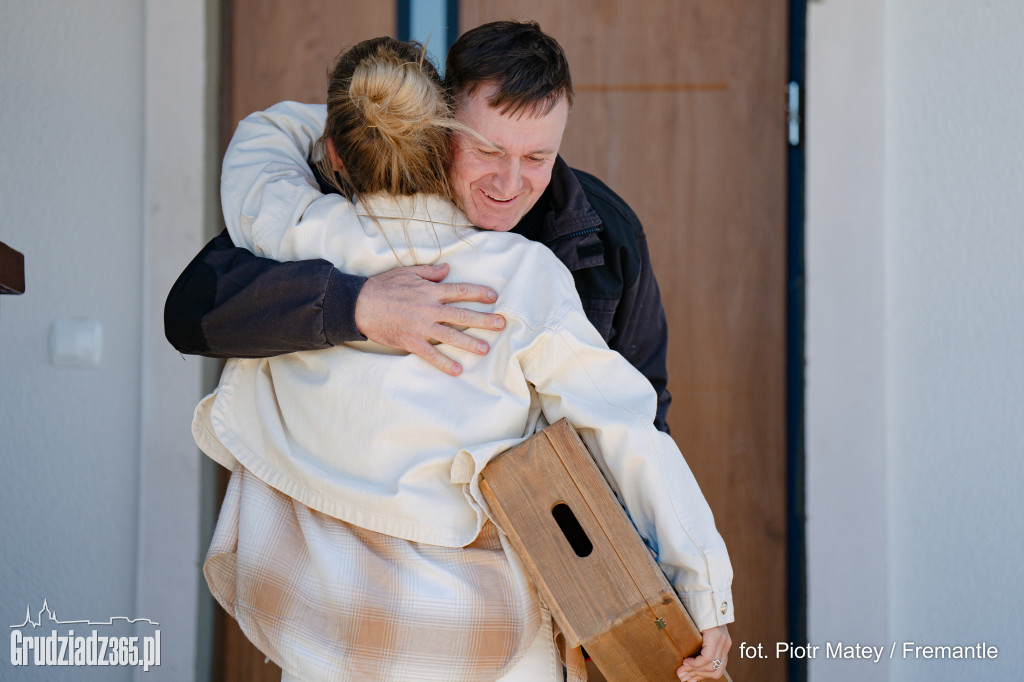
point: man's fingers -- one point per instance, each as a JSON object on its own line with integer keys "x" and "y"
{"x": 433, "y": 273}
{"x": 435, "y": 357}
{"x": 407, "y": 307}
{"x": 454, "y": 337}
{"x": 464, "y": 317}
{"x": 454, "y": 292}
{"x": 463, "y": 292}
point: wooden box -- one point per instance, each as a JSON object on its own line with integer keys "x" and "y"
{"x": 589, "y": 564}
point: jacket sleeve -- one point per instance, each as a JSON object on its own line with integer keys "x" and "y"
{"x": 270, "y": 197}
{"x": 229, "y": 303}
{"x": 642, "y": 331}
{"x": 610, "y": 403}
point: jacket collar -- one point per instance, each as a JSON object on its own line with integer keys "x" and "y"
{"x": 562, "y": 210}
{"x": 564, "y": 221}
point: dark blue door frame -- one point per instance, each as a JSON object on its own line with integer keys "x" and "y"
{"x": 796, "y": 571}
{"x": 404, "y": 28}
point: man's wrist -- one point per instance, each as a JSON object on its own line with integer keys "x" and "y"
{"x": 339, "y": 307}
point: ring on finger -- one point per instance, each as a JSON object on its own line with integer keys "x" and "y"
{"x": 716, "y": 664}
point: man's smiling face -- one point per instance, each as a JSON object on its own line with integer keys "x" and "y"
{"x": 497, "y": 184}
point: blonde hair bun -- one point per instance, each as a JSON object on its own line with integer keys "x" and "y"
{"x": 388, "y": 122}
{"x": 395, "y": 97}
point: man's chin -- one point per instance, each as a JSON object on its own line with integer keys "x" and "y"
{"x": 496, "y": 221}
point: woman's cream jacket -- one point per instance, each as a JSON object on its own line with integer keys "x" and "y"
{"x": 383, "y": 440}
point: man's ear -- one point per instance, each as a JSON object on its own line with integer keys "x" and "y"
{"x": 332, "y": 156}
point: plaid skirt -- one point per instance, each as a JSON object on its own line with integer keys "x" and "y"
{"x": 326, "y": 600}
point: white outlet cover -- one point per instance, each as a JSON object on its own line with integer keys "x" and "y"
{"x": 76, "y": 342}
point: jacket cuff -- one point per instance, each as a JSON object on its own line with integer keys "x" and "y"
{"x": 709, "y": 609}
{"x": 339, "y": 307}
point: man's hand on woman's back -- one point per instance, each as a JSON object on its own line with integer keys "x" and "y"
{"x": 406, "y": 308}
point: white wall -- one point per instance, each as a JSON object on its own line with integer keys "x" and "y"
{"x": 845, "y": 395}
{"x": 955, "y": 309}
{"x": 70, "y": 178}
{"x": 942, "y": 249}
{"x": 178, "y": 130}
{"x": 99, "y": 487}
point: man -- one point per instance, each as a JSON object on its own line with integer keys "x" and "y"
{"x": 511, "y": 83}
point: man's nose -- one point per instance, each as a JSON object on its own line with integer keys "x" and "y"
{"x": 508, "y": 178}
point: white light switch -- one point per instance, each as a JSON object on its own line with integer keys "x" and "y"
{"x": 76, "y": 342}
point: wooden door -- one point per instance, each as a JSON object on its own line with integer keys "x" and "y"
{"x": 680, "y": 109}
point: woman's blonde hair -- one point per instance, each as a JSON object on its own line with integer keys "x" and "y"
{"x": 388, "y": 122}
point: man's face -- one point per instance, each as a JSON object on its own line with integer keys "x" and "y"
{"x": 498, "y": 183}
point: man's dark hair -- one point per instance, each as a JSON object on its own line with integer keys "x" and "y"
{"x": 528, "y": 66}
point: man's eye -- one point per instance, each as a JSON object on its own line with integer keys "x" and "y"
{"x": 536, "y": 159}
{"x": 488, "y": 152}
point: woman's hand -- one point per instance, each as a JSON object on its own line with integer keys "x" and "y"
{"x": 715, "y": 650}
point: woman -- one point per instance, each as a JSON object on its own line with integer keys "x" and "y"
{"x": 353, "y": 542}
